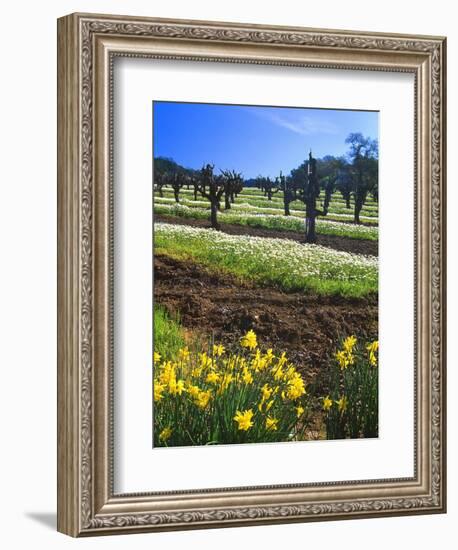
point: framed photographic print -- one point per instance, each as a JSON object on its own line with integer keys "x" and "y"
{"x": 251, "y": 281}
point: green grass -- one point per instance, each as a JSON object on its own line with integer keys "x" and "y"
{"x": 277, "y": 262}
{"x": 168, "y": 334}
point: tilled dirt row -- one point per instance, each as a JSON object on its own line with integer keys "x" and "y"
{"x": 307, "y": 327}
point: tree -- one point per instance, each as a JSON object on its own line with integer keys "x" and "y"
{"x": 176, "y": 180}
{"x": 169, "y": 172}
{"x": 363, "y": 156}
{"x": 287, "y": 186}
{"x": 194, "y": 181}
{"x": 233, "y": 183}
{"x": 159, "y": 182}
{"x": 328, "y": 183}
{"x": 345, "y": 184}
{"x": 268, "y": 186}
{"x": 309, "y": 191}
{"x": 211, "y": 187}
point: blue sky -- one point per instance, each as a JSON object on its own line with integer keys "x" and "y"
{"x": 253, "y": 140}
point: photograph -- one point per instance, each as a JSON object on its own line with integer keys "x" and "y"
{"x": 265, "y": 283}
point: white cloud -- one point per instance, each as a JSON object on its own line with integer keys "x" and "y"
{"x": 299, "y": 123}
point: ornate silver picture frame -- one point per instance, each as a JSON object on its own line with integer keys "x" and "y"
{"x": 88, "y": 44}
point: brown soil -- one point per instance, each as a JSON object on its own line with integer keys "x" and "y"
{"x": 356, "y": 246}
{"x": 305, "y": 326}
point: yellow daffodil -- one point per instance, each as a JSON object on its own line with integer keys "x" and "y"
{"x": 345, "y": 359}
{"x": 176, "y": 387}
{"x": 193, "y": 390}
{"x": 205, "y": 361}
{"x": 203, "y": 399}
{"x": 249, "y": 340}
{"x": 372, "y": 348}
{"x": 167, "y": 372}
{"x": 290, "y": 373}
{"x": 243, "y": 419}
{"x": 272, "y": 423}
{"x": 258, "y": 362}
{"x": 213, "y": 377}
{"x": 266, "y": 392}
{"x": 184, "y": 354}
{"x": 218, "y": 350}
{"x": 247, "y": 376}
{"x": 327, "y": 403}
{"x": 299, "y": 411}
{"x": 156, "y": 357}
{"x": 349, "y": 343}
{"x": 296, "y": 387}
{"x": 227, "y": 379}
{"x": 278, "y": 372}
{"x": 165, "y": 434}
{"x": 158, "y": 390}
{"x": 196, "y": 372}
{"x": 269, "y": 356}
{"x": 342, "y": 404}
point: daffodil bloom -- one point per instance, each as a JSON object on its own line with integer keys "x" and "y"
{"x": 296, "y": 387}
{"x": 269, "y": 404}
{"x": 345, "y": 359}
{"x": 213, "y": 377}
{"x": 290, "y": 373}
{"x": 243, "y": 419}
{"x": 176, "y": 387}
{"x": 278, "y": 372}
{"x": 372, "y": 348}
{"x": 282, "y": 359}
{"x": 266, "y": 404}
{"x": 193, "y": 390}
{"x": 158, "y": 390}
{"x": 342, "y": 404}
{"x": 184, "y": 354}
{"x": 227, "y": 379}
{"x": 167, "y": 372}
{"x": 196, "y": 372}
{"x": 203, "y": 399}
{"x": 258, "y": 363}
{"x": 249, "y": 340}
{"x": 327, "y": 403}
{"x": 156, "y": 357}
{"x": 269, "y": 356}
{"x": 266, "y": 392}
{"x": 205, "y": 361}
{"x": 218, "y": 350}
{"x": 271, "y": 423}
{"x": 165, "y": 434}
{"x": 247, "y": 376}
{"x": 349, "y": 343}
{"x": 299, "y": 411}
